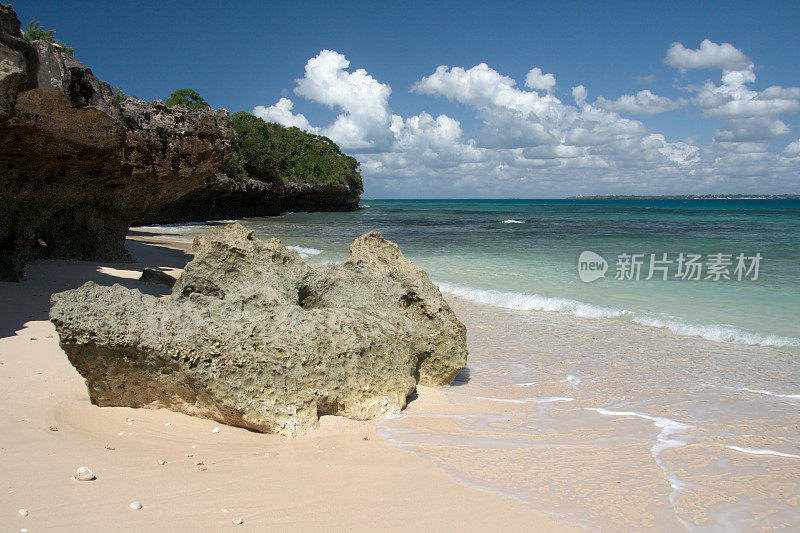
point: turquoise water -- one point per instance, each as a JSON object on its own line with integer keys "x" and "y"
{"x": 523, "y": 254}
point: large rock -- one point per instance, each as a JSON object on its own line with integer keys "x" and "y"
{"x": 77, "y": 166}
{"x": 220, "y": 197}
{"x": 253, "y": 336}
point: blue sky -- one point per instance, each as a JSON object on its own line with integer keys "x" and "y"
{"x": 715, "y": 118}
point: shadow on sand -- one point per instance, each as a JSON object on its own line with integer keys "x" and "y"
{"x": 29, "y": 299}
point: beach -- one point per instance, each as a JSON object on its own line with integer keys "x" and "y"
{"x": 555, "y": 425}
{"x": 343, "y": 476}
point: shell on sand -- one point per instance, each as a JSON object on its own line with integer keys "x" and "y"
{"x": 84, "y": 473}
{"x": 23, "y": 512}
{"x": 135, "y": 505}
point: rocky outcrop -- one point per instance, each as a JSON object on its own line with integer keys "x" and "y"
{"x": 77, "y": 166}
{"x": 219, "y": 197}
{"x": 253, "y": 336}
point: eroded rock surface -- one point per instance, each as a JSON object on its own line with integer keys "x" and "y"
{"x": 220, "y": 197}
{"x": 77, "y": 166}
{"x": 253, "y": 336}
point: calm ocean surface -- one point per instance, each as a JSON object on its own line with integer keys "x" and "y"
{"x": 523, "y": 254}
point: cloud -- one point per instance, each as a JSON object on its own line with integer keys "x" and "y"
{"x": 530, "y": 143}
{"x": 281, "y": 112}
{"x": 710, "y": 55}
{"x": 751, "y": 129}
{"x": 642, "y": 103}
{"x": 364, "y": 101}
{"x": 792, "y": 149}
{"x": 536, "y": 80}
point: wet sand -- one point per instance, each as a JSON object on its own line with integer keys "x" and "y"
{"x": 344, "y": 476}
{"x": 619, "y": 427}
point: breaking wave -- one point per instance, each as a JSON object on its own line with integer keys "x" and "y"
{"x": 534, "y": 302}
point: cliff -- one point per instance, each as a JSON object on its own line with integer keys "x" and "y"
{"x": 273, "y": 170}
{"x": 77, "y": 166}
{"x": 220, "y": 197}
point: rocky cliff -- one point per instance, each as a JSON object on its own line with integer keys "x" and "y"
{"x": 253, "y": 336}
{"x": 77, "y": 166}
{"x": 220, "y": 197}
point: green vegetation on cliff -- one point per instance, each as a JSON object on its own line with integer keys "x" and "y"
{"x": 187, "y": 97}
{"x": 270, "y": 152}
{"x": 34, "y": 32}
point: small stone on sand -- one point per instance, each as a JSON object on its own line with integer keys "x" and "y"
{"x": 238, "y": 521}
{"x": 224, "y": 510}
{"x": 53, "y": 428}
{"x": 84, "y": 473}
{"x": 23, "y": 512}
{"x": 189, "y": 454}
{"x": 215, "y": 430}
{"x": 168, "y": 424}
{"x": 135, "y": 506}
{"x": 162, "y": 462}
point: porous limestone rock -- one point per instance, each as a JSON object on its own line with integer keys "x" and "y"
{"x": 253, "y": 336}
{"x": 77, "y": 166}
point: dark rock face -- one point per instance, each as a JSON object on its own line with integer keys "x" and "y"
{"x": 219, "y": 197}
{"x": 76, "y": 166}
{"x": 253, "y": 336}
{"x": 151, "y": 276}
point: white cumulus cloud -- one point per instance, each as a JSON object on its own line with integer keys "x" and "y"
{"x": 536, "y": 80}
{"x": 281, "y": 112}
{"x": 642, "y": 103}
{"x": 364, "y": 101}
{"x": 530, "y": 143}
{"x": 710, "y": 55}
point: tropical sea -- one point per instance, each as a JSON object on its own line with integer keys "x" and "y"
{"x": 523, "y": 254}
{"x": 614, "y": 404}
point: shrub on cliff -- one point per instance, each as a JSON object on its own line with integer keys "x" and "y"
{"x": 270, "y": 152}
{"x": 188, "y": 98}
{"x": 34, "y": 32}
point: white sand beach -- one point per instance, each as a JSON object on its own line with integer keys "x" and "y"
{"x": 343, "y": 476}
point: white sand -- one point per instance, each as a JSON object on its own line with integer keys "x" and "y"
{"x": 343, "y": 476}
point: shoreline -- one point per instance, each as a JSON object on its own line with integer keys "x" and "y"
{"x": 267, "y": 480}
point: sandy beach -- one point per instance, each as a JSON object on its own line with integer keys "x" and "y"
{"x": 343, "y": 476}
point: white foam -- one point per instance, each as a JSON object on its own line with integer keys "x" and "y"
{"x": 305, "y": 252}
{"x": 763, "y": 452}
{"x": 573, "y": 380}
{"x": 533, "y": 302}
{"x": 175, "y": 228}
{"x": 512, "y": 221}
{"x": 768, "y": 393}
{"x": 664, "y": 441}
{"x": 540, "y": 399}
{"x": 714, "y": 332}
{"x": 530, "y": 302}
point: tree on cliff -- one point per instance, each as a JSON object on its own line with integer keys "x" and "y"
{"x": 270, "y": 152}
{"x": 34, "y": 32}
{"x": 188, "y": 98}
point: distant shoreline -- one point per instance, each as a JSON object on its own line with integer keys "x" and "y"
{"x": 689, "y": 197}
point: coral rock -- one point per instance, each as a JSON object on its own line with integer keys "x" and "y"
{"x": 253, "y": 336}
